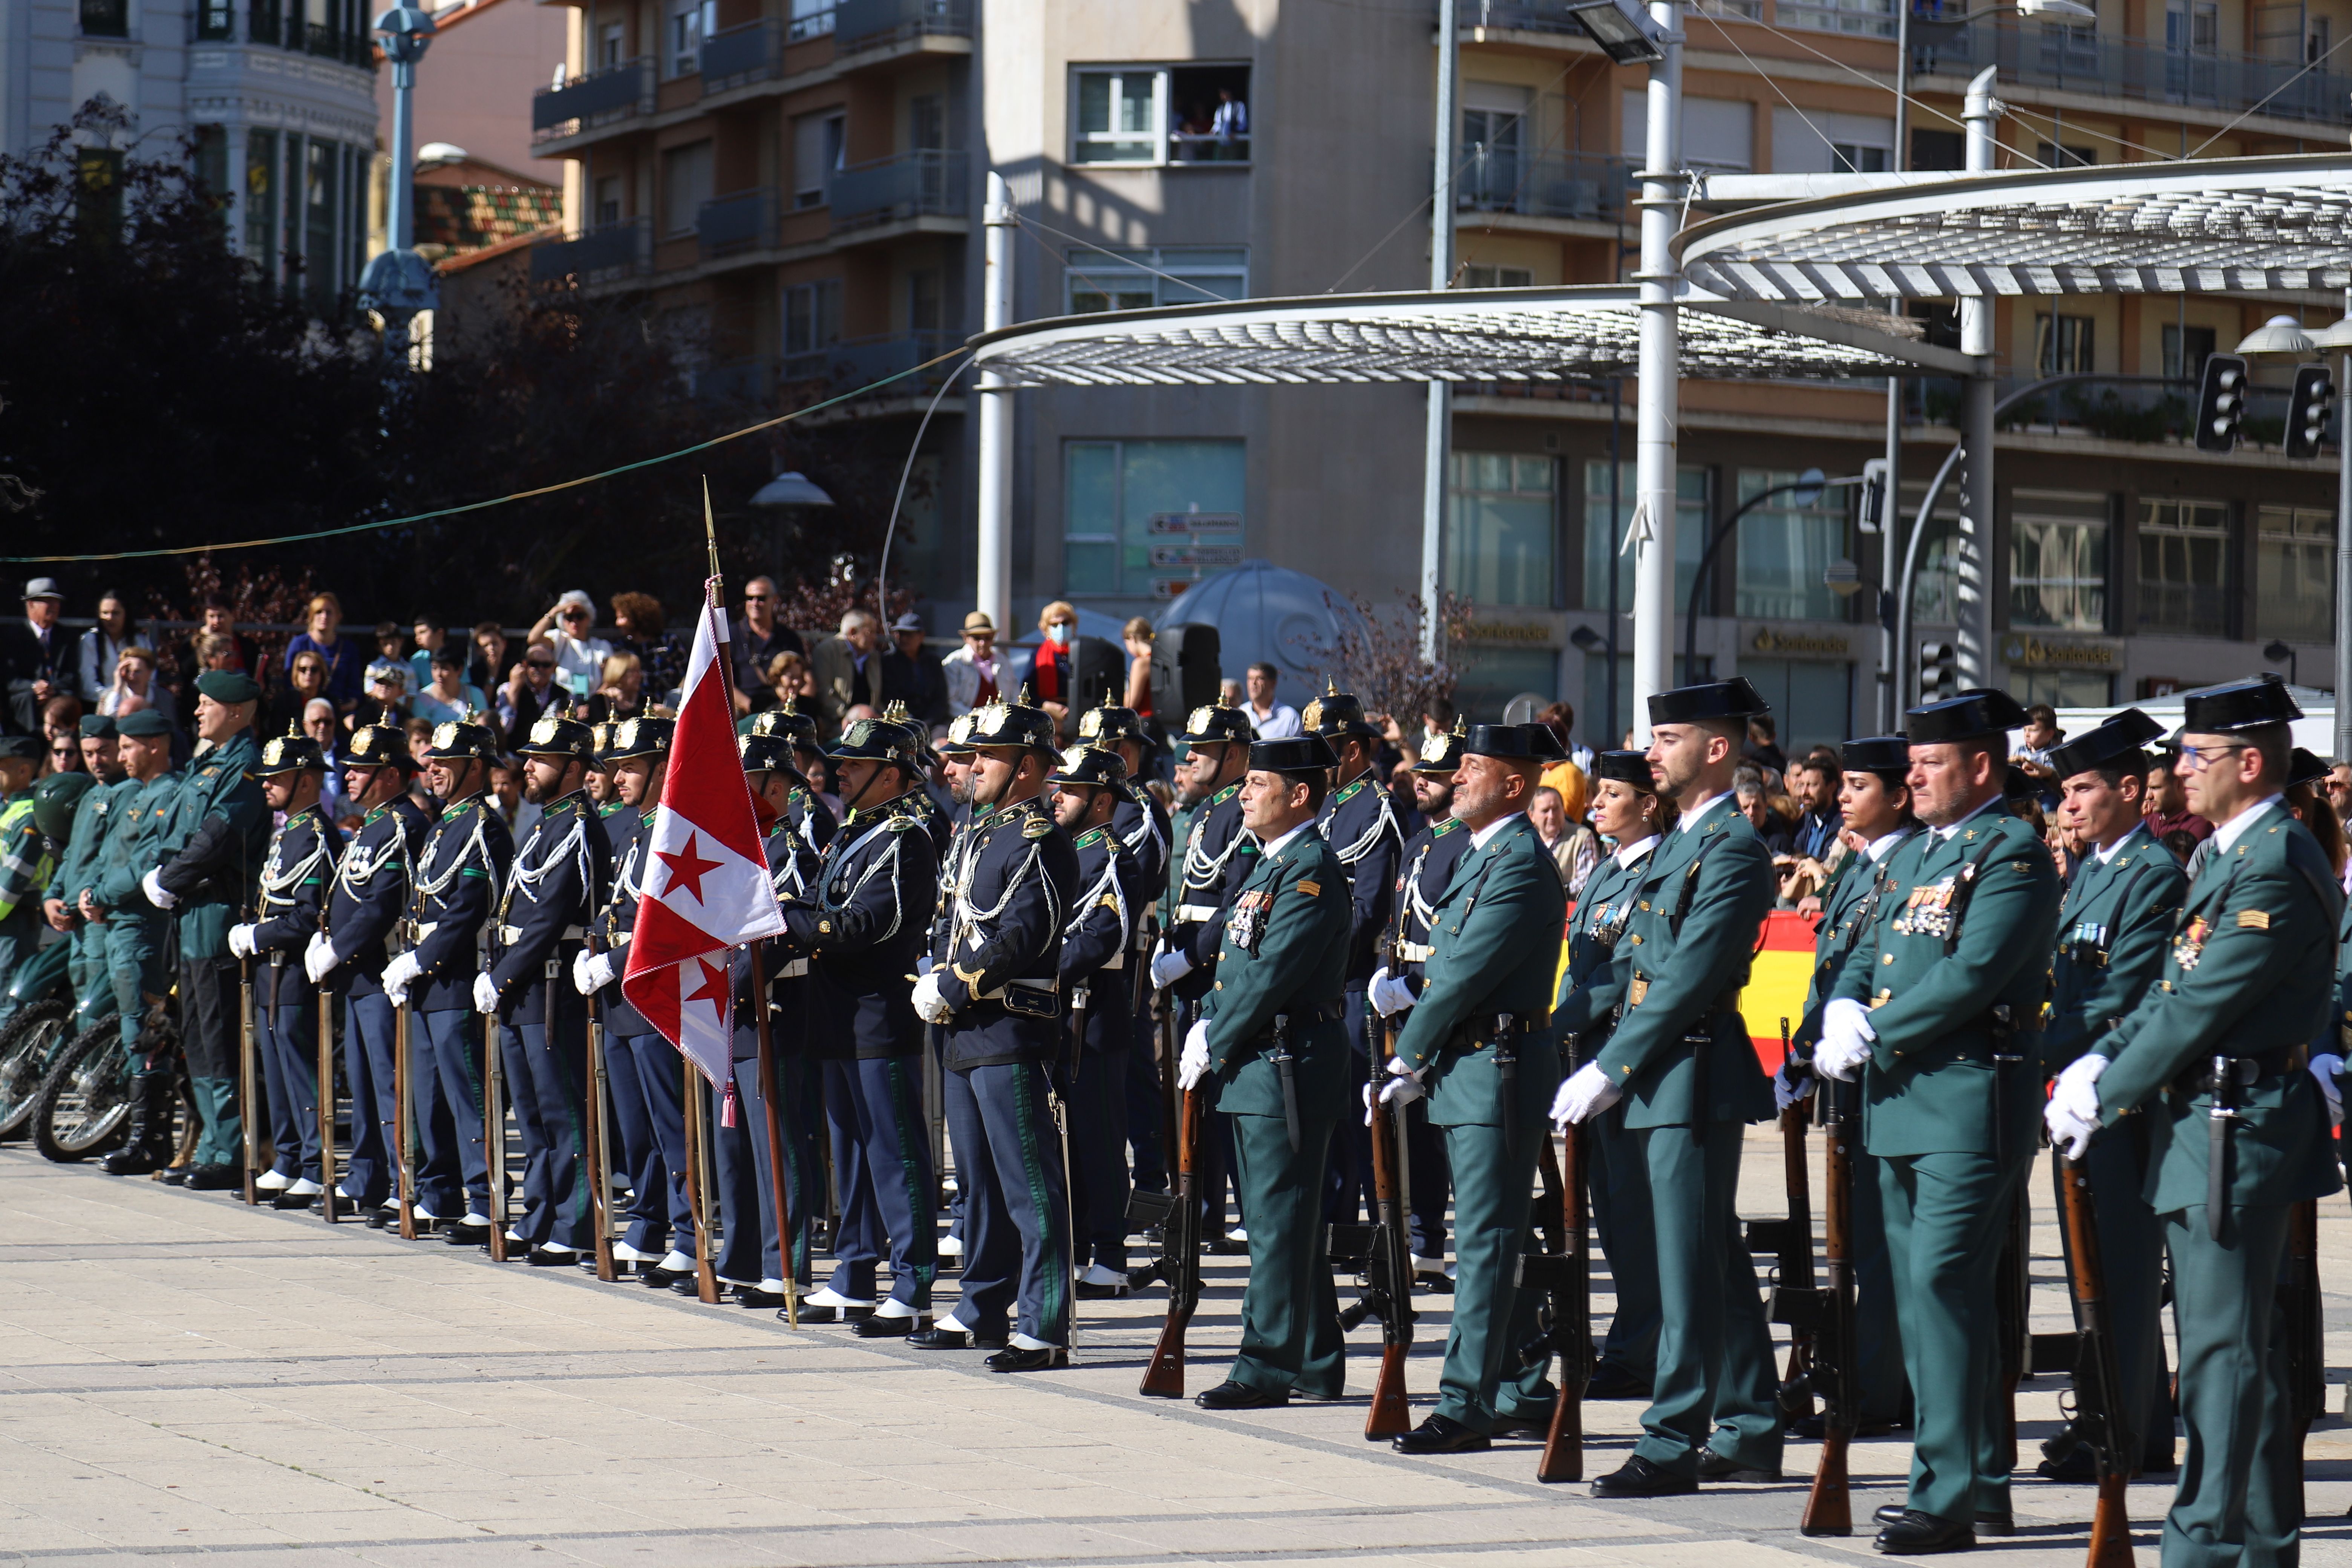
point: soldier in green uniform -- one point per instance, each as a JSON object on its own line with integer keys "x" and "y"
{"x": 25, "y": 862}
{"x": 1628, "y": 812}
{"x": 2113, "y": 932}
{"x": 2213, "y": 1057}
{"x": 210, "y": 851}
{"x": 1937, "y": 1008}
{"x": 1479, "y": 1042}
{"x": 77, "y": 867}
{"x": 135, "y": 931}
{"x": 1272, "y": 1050}
{"x": 1681, "y": 1060}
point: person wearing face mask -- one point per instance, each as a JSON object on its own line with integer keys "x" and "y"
{"x": 1066, "y": 673}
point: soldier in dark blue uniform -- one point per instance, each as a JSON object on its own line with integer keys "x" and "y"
{"x": 649, "y": 1092}
{"x": 461, "y": 870}
{"x": 1358, "y": 823}
{"x": 365, "y": 904}
{"x": 543, "y": 920}
{"x": 994, "y": 985}
{"x": 862, "y": 927}
{"x": 630, "y": 1131}
{"x": 1140, "y": 822}
{"x": 1099, "y": 960}
{"x": 293, "y": 890}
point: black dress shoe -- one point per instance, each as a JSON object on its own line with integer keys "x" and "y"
{"x": 1045, "y": 1359}
{"x": 379, "y": 1219}
{"x": 1616, "y": 1382}
{"x": 1715, "y": 1467}
{"x": 657, "y": 1278}
{"x": 177, "y": 1176}
{"x": 1442, "y": 1434}
{"x": 218, "y": 1178}
{"x": 928, "y": 1338}
{"x": 1536, "y": 1427}
{"x": 294, "y": 1201}
{"x": 753, "y": 1295}
{"x": 1090, "y": 1292}
{"x": 462, "y": 1234}
{"x": 1232, "y": 1395}
{"x": 1917, "y": 1534}
{"x": 1639, "y": 1477}
{"x": 1987, "y": 1523}
{"x": 879, "y": 1326}
{"x": 553, "y": 1258}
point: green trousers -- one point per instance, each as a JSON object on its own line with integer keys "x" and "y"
{"x": 1947, "y": 1216}
{"x": 2240, "y": 1477}
{"x": 1493, "y": 1196}
{"x": 93, "y": 988}
{"x": 1620, "y": 1200}
{"x": 1715, "y": 1388}
{"x": 135, "y": 962}
{"x": 2131, "y": 1256}
{"x": 1290, "y": 1310}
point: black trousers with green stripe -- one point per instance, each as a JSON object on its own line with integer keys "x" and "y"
{"x": 1016, "y": 1237}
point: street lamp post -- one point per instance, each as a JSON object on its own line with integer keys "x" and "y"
{"x": 1807, "y": 487}
{"x": 398, "y": 283}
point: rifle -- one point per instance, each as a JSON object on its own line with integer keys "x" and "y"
{"x": 245, "y": 1067}
{"x": 1566, "y": 1277}
{"x": 1829, "y": 1509}
{"x": 1388, "y": 1270}
{"x": 1081, "y": 1002}
{"x": 1146, "y": 1210}
{"x": 779, "y": 1191}
{"x": 494, "y": 1134}
{"x": 326, "y": 1083}
{"x": 2306, "y": 1359}
{"x": 1180, "y": 1260}
{"x": 698, "y": 1141}
{"x": 1796, "y": 1298}
{"x": 2098, "y": 1384}
{"x": 599, "y": 1135}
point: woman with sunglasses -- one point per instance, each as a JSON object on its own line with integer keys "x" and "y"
{"x": 564, "y": 630}
{"x": 306, "y": 680}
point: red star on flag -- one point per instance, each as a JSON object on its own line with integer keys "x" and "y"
{"x": 715, "y": 988}
{"x": 687, "y": 868}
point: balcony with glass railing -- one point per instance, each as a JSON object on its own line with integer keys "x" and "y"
{"x": 731, "y": 223}
{"x": 618, "y": 92}
{"x": 856, "y": 362}
{"x": 1552, "y": 186}
{"x": 2072, "y": 60}
{"x": 281, "y": 26}
{"x": 927, "y": 184}
{"x": 735, "y": 56}
{"x": 613, "y": 250}
{"x": 860, "y": 26}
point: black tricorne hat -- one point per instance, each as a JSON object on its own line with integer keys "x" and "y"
{"x": 1445, "y": 755}
{"x": 1732, "y": 699}
{"x": 1888, "y": 757}
{"x": 1512, "y": 742}
{"x": 2306, "y": 767}
{"x": 1088, "y": 766}
{"x": 1626, "y": 768}
{"x": 2120, "y": 743}
{"x": 2241, "y": 705}
{"x": 1292, "y": 755}
{"x": 1979, "y": 710}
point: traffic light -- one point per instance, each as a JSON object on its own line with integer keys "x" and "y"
{"x": 2221, "y": 403}
{"x": 1874, "y": 495}
{"x": 2307, "y": 409}
{"x": 1939, "y": 671}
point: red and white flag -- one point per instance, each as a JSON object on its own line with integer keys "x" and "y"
{"x": 703, "y": 887}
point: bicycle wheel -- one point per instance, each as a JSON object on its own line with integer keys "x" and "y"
{"x": 86, "y": 1103}
{"x": 26, "y": 1047}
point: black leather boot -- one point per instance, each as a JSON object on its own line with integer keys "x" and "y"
{"x": 148, "y": 1148}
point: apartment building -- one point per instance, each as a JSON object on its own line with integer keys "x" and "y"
{"x": 279, "y": 95}
{"x": 796, "y": 189}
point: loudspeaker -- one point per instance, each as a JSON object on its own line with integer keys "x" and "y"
{"x": 1184, "y": 672}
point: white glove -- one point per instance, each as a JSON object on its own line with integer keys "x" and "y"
{"x": 240, "y": 940}
{"x": 1169, "y": 968}
{"x": 2077, "y": 1090}
{"x": 400, "y": 973}
{"x": 2070, "y": 1134}
{"x": 1193, "y": 1065}
{"x": 319, "y": 958}
{"x": 486, "y": 993}
{"x": 923, "y": 965}
{"x": 592, "y": 971}
{"x": 1786, "y": 1094}
{"x": 2324, "y": 1066}
{"x": 1847, "y": 1034}
{"x": 1401, "y": 1089}
{"x": 151, "y": 884}
{"x": 1587, "y": 1093}
{"x": 1388, "y": 994}
{"x": 930, "y": 1005}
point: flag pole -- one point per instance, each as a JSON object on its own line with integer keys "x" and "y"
{"x": 697, "y": 1132}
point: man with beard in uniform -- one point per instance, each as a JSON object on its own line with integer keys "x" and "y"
{"x": 295, "y": 875}
{"x": 1098, "y": 961}
{"x": 862, "y": 926}
{"x": 994, "y": 985}
{"x": 365, "y": 904}
{"x": 543, "y": 921}
{"x": 460, "y": 869}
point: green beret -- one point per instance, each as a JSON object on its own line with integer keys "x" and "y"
{"x": 26, "y": 748}
{"x": 228, "y": 686}
{"x": 96, "y": 727}
{"x": 145, "y": 725}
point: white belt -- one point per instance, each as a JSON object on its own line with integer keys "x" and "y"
{"x": 1415, "y": 952}
{"x": 426, "y": 928}
{"x": 1116, "y": 960}
{"x": 1198, "y": 914}
{"x": 792, "y": 970}
{"x": 513, "y": 934}
{"x": 1045, "y": 987}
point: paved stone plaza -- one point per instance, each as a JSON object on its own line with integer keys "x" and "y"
{"x": 186, "y": 1378}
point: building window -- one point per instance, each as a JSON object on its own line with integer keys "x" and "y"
{"x": 98, "y": 189}
{"x": 2294, "y": 574}
{"x": 105, "y": 18}
{"x": 2185, "y": 349}
{"x": 1853, "y": 158}
{"x": 1501, "y": 527}
{"x": 322, "y": 168}
{"x": 1494, "y": 131}
{"x": 2184, "y": 567}
{"x": 1486, "y": 677}
{"x": 1604, "y": 535}
{"x": 1812, "y": 700}
{"x": 924, "y": 300}
{"x": 1161, "y": 114}
{"x": 212, "y": 165}
{"x": 609, "y": 47}
{"x": 2062, "y": 688}
{"x": 927, "y": 123}
{"x": 818, "y": 144}
{"x": 1149, "y": 518}
{"x": 215, "y": 19}
{"x": 608, "y": 200}
{"x": 1935, "y": 585}
{"x": 261, "y": 200}
{"x": 811, "y": 316}
{"x": 1475, "y": 277}
{"x": 2058, "y": 561}
{"x": 811, "y": 19}
{"x": 686, "y": 185}
{"x": 691, "y": 22}
{"x": 2061, "y": 344}
{"x": 1785, "y": 552}
{"x": 1867, "y": 19}
{"x": 1168, "y": 275}
{"x": 2057, "y": 155}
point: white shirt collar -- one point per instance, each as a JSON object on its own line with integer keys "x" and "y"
{"x": 1275, "y": 847}
{"x": 2111, "y": 850}
{"x": 1478, "y": 839}
{"x": 1947, "y": 834}
{"x": 2228, "y": 833}
{"x": 1632, "y": 852}
{"x": 1693, "y": 818}
{"x": 1879, "y": 847}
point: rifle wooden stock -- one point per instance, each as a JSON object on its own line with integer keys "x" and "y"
{"x": 1563, "y": 1449}
{"x": 1164, "y": 1377}
{"x": 327, "y": 1210}
{"x": 698, "y": 1192}
{"x": 1390, "y": 1414}
{"x": 2307, "y": 1355}
{"x": 404, "y": 1172}
{"x": 1796, "y": 1248}
{"x": 245, "y": 1069}
{"x": 494, "y": 1134}
{"x": 599, "y": 1135}
{"x": 1829, "y": 1507}
{"x": 778, "y": 1189}
{"x": 2098, "y": 1385}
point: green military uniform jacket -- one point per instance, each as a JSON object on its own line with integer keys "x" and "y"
{"x": 136, "y": 823}
{"x": 1600, "y": 959}
{"x": 1703, "y": 893}
{"x": 2251, "y": 972}
{"x": 25, "y": 862}
{"x": 2112, "y": 934}
{"x": 212, "y": 845}
{"x": 1494, "y": 943}
{"x": 1930, "y": 1087}
{"x": 77, "y": 867}
{"x": 1288, "y": 956}
{"x": 1849, "y": 905}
